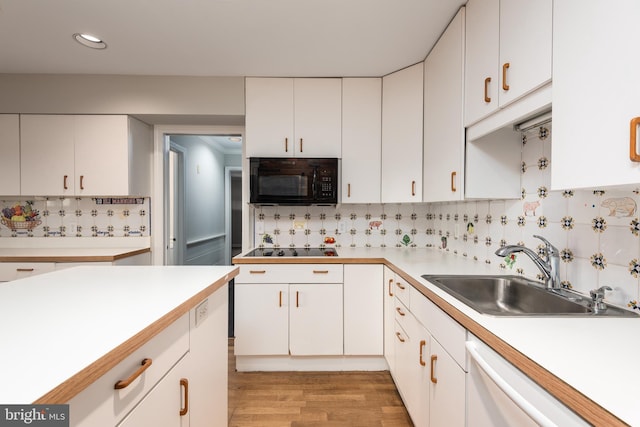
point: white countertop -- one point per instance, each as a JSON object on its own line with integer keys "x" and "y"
{"x": 56, "y": 324}
{"x": 597, "y": 356}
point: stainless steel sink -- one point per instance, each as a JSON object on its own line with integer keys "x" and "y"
{"x": 518, "y": 296}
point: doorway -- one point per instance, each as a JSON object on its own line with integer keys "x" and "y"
{"x": 202, "y": 172}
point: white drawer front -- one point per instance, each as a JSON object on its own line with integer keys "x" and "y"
{"x": 102, "y": 405}
{"x": 290, "y": 273}
{"x": 449, "y": 333}
{"x": 402, "y": 291}
{"x": 17, "y": 270}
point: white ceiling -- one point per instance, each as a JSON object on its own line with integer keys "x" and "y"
{"x": 221, "y": 37}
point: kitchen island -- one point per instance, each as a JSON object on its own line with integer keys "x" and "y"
{"x": 66, "y": 330}
{"x": 584, "y": 362}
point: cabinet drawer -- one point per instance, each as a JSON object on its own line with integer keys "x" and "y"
{"x": 449, "y": 333}
{"x": 402, "y": 291}
{"x": 403, "y": 316}
{"x": 101, "y": 404}
{"x": 292, "y": 273}
{"x": 17, "y": 270}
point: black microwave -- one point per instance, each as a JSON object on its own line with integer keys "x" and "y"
{"x": 293, "y": 181}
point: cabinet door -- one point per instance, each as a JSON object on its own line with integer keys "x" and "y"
{"x": 261, "y": 319}
{"x": 47, "y": 155}
{"x": 525, "y": 44}
{"x": 447, "y": 393}
{"x": 482, "y": 59}
{"x": 317, "y": 117}
{"x": 443, "y": 125}
{"x": 269, "y": 117}
{"x": 101, "y": 155}
{"x": 361, "y": 139}
{"x": 10, "y": 158}
{"x": 389, "y": 318}
{"x": 164, "y": 403}
{"x": 595, "y": 92}
{"x": 363, "y": 310}
{"x": 315, "y": 319}
{"x": 402, "y": 116}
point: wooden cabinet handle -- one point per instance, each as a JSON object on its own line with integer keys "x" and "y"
{"x": 400, "y": 312}
{"x": 64, "y": 182}
{"x": 286, "y": 145}
{"x": 399, "y": 336}
{"x": 280, "y": 299}
{"x": 348, "y": 190}
{"x": 143, "y": 367}
{"x": 320, "y": 271}
{"x": 433, "y": 363}
{"x": 297, "y": 299}
{"x": 400, "y": 286}
{"x": 413, "y": 188}
{"x": 487, "y": 98}
{"x": 257, "y": 271}
{"x": 301, "y": 145}
{"x": 390, "y": 282}
{"x": 423, "y": 343}
{"x": 453, "y": 181}
{"x": 184, "y": 383}
{"x": 82, "y": 182}
{"x": 24, "y": 270}
{"x": 505, "y": 67}
{"x": 633, "y": 142}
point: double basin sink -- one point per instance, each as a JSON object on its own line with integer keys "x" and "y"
{"x": 518, "y": 296}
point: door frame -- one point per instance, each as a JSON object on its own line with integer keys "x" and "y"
{"x": 228, "y": 172}
{"x": 160, "y": 189}
{"x": 180, "y": 244}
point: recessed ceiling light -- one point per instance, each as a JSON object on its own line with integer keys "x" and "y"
{"x": 235, "y": 139}
{"x": 89, "y": 41}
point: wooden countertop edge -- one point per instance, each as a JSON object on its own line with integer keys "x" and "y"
{"x": 84, "y": 378}
{"x": 572, "y": 398}
{"x": 74, "y": 258}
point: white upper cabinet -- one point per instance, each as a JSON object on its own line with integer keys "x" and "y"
{"x": 508, "y": 53}
{"x": 46, "y": 157}
{"x": 443, "y": 113}
{"x": 402, "y": 116}
{"x": 269, "y": 117}
{"x": 596, "y": 94}
{"x": 293, "y": 117}
{"x": 92, "y": 155}
{"x": 361, "y": 139}
{"x": 10, "y": 158}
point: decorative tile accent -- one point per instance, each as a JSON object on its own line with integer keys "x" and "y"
{"x": 598, "y": 261}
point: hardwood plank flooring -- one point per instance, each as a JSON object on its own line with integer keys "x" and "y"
{"x": 310, "y": 399}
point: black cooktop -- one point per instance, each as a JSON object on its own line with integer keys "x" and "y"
{"x": 261, "y": 252}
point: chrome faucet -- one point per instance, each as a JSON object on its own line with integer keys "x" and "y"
{"x": 549, "y": 268}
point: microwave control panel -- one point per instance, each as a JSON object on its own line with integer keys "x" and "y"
{"x": 326, "y": 182}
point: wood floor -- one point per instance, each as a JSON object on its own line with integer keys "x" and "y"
{"x": 332, "y": 399}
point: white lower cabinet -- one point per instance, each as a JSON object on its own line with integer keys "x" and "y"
{"x": 167, "y": 404}
{"x": 363, "y": 310}
{"x": 428, "y": 361}
{"x": 303, "y": 318}
{"x": 183, "y": 382}
{"x": 315, "y": 319}
{"x": 18, "y": 270}
{"x": 389, "y": 318}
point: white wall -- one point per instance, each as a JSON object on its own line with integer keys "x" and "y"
{"x": 149, "y": 97}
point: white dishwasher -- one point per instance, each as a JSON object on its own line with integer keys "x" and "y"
{"x": 500, "y": 395}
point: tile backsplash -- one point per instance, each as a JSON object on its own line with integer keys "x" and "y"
{"x": 597, "y": 231}
{"x": 88, "y": 217}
